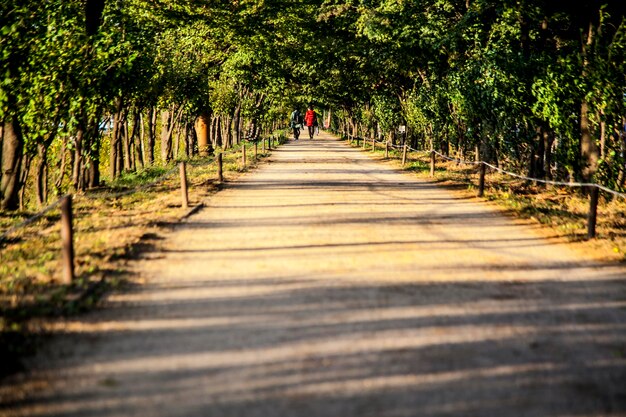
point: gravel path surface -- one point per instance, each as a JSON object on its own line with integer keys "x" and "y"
{"x": 329, "y": 284}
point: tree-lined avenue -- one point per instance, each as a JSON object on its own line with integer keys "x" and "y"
{"x": 326, "y": 283}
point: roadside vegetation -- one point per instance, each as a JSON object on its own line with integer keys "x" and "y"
{"x": 112, "y": 225}
{"x": 561, "y": 211}
{"x": 101, "y": 96}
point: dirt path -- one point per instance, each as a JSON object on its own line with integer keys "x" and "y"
{"x": 329, "y": 284}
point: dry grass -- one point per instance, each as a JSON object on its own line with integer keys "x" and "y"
{"x": 562, "y": 210}
{"x": 108, "y": 230}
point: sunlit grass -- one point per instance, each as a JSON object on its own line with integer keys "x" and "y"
{"x": 108, "y": 223}
{"x": 562, "y": 210}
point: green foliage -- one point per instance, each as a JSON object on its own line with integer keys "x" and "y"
{"x": 491, "y": 75}
{"x": 462, "y": 73}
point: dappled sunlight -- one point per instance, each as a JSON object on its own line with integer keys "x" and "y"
{"x": 322, "y": 289}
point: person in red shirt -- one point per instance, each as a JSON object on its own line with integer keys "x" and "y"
{"x": 310, "y": 120}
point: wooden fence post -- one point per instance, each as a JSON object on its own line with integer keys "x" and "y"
{"x": 256, "y": 150}
{"x": 481, "y": 180}
{"x": 432, "y": 163}
{"x": 593, "y": 212}
{"x": 67, "y": 239}
{"x": 243, "y": 154}
{"x": 404, "y": 154}
{"x": 220, "y": 171}
{"x": 373, "y": 143}
{"x": 386, "y": 149}
{"x": 364, "y": 140}
{"x": 183, "y": 185}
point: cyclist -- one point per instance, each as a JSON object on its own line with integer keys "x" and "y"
{"x": 295, "y": 122}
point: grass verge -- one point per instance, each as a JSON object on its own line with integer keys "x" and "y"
{"x": 562, "y": 211}
{"x": 112, "y": 225}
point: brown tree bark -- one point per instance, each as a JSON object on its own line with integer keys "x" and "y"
{"x": 166, "y": 136}
{"x": 27, "y": 159}
{"x": 137, "y": 136}
{"x": 621, "y": 135}
{"x": 225, "y": 128}
{"x": 114, "y": 157}
{"x": 548, "y": 141}
{"x": 588, "y": 147}
{"x": 126, "y": 139}
{"x": 536, "y": 168}
{"x": 12, "y": 153}
{"x": 189, "y": 139}
{"x": 78, "y": 158}
{"x": 237, "y": 124}
{"x": 602, "y": 134}
{"x": 169, "y": 118}
{"x": 202, "y": 133}
{"x": 218, "y": 131}
{"x": 228, "y": 142}
{"x": 91, "y": 176}
{"x": 62, "y": 163}
{"x": 152, "y": 118}
{"x": 120, "y": 148}
{"x": 42, "y": 178}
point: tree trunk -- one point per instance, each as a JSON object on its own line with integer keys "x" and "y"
{"x": 120, "y": 149}
{"x": 622, "y": 146}
{"x": 602, "y": 135}
{"x": 59, "y": 181}
{"x": 536, "y": 168}
{"x": 166, "y": 136}
{"x": 42, "y": 163}
{"x": 190, "y": 139}
{"x": 237, "y": 124}
{"x": 229, "y": 133}
{"x": 12, "y": 153}
{"x": 588, "y": 147}
{"x": 137, "y": 139}
{"x": 78, "y": 158}
{"x": 176, "y": 142}
{"x": 141, "y": 152}
{"x": 213, "y": 131}
{"x": 92, "y": 153}
{"x": 27, "y": 159}
{"x": 126, "y": 139}
{"x": 225, "y": 129}
{"x": 170, "y": 118}
{"x": 151, "y": 136}
{"x": 218, "y": 131}
{"x": 548, "y": 141}
{"x": 113, "y": 157}
{"x": 202, "y": 133}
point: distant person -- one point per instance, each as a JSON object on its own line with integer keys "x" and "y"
{"x": 310, "y": 120}
{"x": 295, "y": 122}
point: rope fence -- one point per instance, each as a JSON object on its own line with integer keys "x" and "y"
{"x": 65, "y": 203}
{"x": 593, "y": 188}
{"x": 5, "y": 235}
